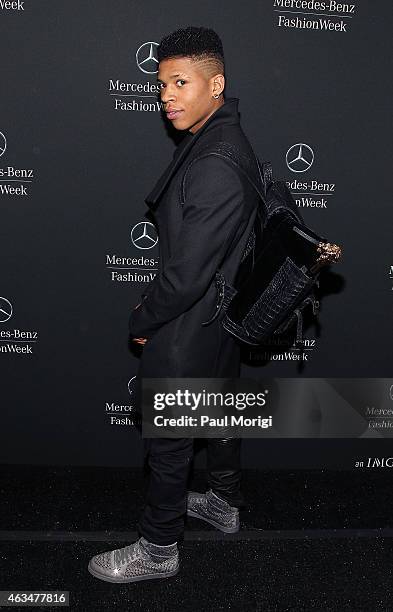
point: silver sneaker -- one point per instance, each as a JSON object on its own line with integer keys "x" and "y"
{"x": 214, "y": 510}
{"x": 141, "y": 560}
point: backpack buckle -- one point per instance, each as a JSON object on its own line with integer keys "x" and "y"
{"x": 220, "y": 284}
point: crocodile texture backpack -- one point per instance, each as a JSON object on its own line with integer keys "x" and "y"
{"x": 280, "y": 266}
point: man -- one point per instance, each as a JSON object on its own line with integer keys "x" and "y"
{"x": 202, "y": 227}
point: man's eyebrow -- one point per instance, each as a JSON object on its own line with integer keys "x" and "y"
{"x": 173, "y": 76}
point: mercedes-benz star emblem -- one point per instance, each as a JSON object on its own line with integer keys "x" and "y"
{"x": 130, "y": 385}
{"x": 146, "y": 58}
{"x": 144, "y": 235}
{"x": 3, "y": 144}
{"x": 5, "y": 310}
{"x": 299, "y": 157}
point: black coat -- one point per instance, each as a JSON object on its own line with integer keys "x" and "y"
{"x": 218, "y": 211}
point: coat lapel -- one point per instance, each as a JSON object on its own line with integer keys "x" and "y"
{"x": 227, "y": 113}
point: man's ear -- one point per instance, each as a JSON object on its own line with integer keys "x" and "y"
{"x": 218, "y": 84}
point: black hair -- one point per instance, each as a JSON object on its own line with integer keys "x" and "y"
{"x": 198, "y": 43}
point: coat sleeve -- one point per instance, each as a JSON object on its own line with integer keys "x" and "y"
{"x": 212, "y": 212}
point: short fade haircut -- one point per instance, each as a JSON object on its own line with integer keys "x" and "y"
{"x": 202, "y": 45}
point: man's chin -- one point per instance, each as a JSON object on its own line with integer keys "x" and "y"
{"x": 180, "y": 124}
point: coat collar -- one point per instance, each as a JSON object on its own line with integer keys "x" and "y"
{"x": 226, "y": 114}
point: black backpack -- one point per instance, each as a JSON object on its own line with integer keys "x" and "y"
{"x": 280, "y": 266}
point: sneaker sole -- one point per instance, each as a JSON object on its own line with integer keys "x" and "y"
{"x": 214, "y": 523}
{"x": 96, "y": 574}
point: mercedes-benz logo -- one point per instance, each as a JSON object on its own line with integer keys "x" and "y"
{"x": 299, "y": 157}
{"x": 146, "y": 59}
{"x": 3, "y": 144}
{"x": 130, "y": 385}
{"x": 144, "y": 235}
{"x": 5, "y": 310}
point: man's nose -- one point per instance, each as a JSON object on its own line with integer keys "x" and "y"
{"x": 168, "y": 96}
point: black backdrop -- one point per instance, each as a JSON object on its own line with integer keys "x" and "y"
{"x": 82, "y": 143}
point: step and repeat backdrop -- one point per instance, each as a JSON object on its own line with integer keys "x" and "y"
{"x": 83, "y": 139}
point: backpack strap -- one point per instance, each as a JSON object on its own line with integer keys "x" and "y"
{"x": 265, "y": 173}
{"x": 243, "y": 162}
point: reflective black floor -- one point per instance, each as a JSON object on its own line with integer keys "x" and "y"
{"x": 310, "y": 540}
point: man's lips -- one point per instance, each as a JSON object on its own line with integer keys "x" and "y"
{"x": 173, "y": 113}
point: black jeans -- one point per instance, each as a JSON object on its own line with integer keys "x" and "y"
{"x": 162, "y": 520}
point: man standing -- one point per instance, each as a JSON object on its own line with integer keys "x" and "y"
{"x": 203, "y": 225}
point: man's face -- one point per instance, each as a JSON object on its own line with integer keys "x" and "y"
{"x": 186, "y": 88}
